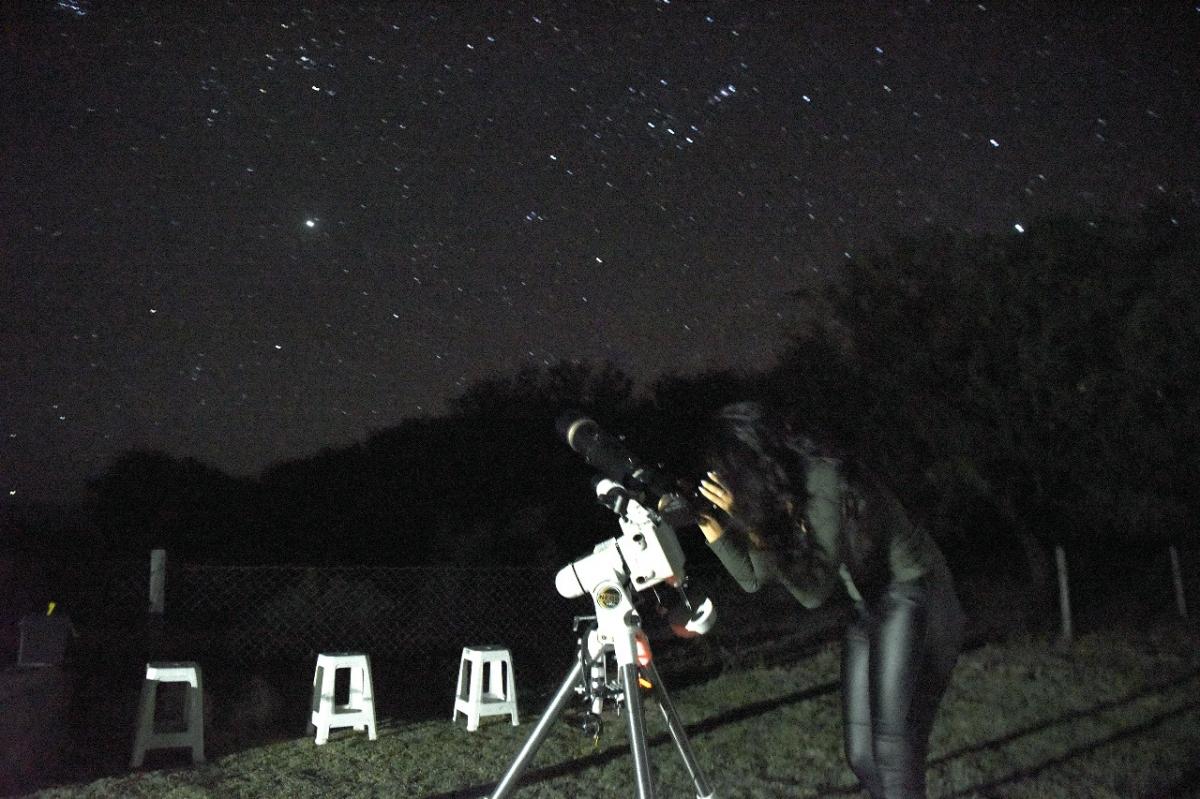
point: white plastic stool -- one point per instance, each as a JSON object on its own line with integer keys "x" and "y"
{"x": 193, "y": 712}
{"x": 359, "y": 711}
{"x": 501, "y": 694}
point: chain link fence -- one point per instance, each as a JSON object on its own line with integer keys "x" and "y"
{"x": 265, "y": 612}
{"x": 419, "y": 616}
{"x": 425, "y": 615}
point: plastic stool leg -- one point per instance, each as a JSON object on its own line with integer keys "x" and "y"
{"x": 325, "y": 713}
{"x": 316, "y": 699}
{"x": 368, "y": 700}
{"x": 145, "y": 722}
{"x": 476, "y": 696}
{"x": 459, "y": 693}
{"x": 356, "y": 692}
{"x": 195, "y": 717}
{"x": 510, "y": 693}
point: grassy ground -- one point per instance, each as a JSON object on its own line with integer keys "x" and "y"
{"x": 1117, "y": 714}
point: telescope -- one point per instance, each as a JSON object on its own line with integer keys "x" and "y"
{"x": 646, "y": 554}
{"x": 648, "y": 507}
{"x": 647, "y": 484}
{"x": 608, "y": 455}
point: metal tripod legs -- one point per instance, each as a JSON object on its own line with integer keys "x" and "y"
{"x": 530, "y": 747}
{"x": 637, "y": 732}
{"x": 703, "y": 791}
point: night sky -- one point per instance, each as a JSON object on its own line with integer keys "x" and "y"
{"x": 244, "y": 231}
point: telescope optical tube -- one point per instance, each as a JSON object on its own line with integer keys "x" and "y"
{"x": 607, "y": 454}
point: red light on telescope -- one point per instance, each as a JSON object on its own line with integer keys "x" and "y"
{"x": 643, "y": 649}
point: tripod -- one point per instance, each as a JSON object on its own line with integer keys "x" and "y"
{"x": 616, "y": 630}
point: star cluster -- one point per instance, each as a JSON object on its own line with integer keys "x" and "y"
{"x": 245, "y": 231}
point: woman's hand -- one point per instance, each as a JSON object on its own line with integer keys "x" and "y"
{"x": 716, "y": 492}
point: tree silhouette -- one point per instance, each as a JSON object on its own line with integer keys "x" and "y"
{"x": 1044, "y": 375}
{"x": 521, "y": 479}
{"x": 148, "y": 499}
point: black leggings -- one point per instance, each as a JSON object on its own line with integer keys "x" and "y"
{"x": 896, "y": 663}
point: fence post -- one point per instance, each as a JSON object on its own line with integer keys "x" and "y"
{"x": 1177, "y": 578}
{"x": 158, "y": 580}
{"x": 158, "y": 591}
{"x": 1064, "y": 592}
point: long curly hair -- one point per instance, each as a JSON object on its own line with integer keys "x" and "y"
{"x": 755, "y": 452}
{"x": 765, "y": 463}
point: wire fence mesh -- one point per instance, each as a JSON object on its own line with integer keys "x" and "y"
{"x": 415, "y": 614}
{"x": 284, "y": 611}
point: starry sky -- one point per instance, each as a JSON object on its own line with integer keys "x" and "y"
{"x": 244, "y": 231}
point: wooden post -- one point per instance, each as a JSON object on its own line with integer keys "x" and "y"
{"x": 1064, "y": 592}
{"x": 158, "y": 581}
{"x": 1177, "y": 578}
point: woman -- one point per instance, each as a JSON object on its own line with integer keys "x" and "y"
{"x": 813, "y": 523}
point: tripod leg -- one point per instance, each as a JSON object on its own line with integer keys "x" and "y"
{"x": 703, "y": 791}
{"x": 637, "y": 730}
{"x": 530, "y": 747}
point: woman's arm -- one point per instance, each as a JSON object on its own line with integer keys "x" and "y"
{"x": 809, "y": 573}
{"x": 738, "y": 562}
{"x": 730, "y": 550}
